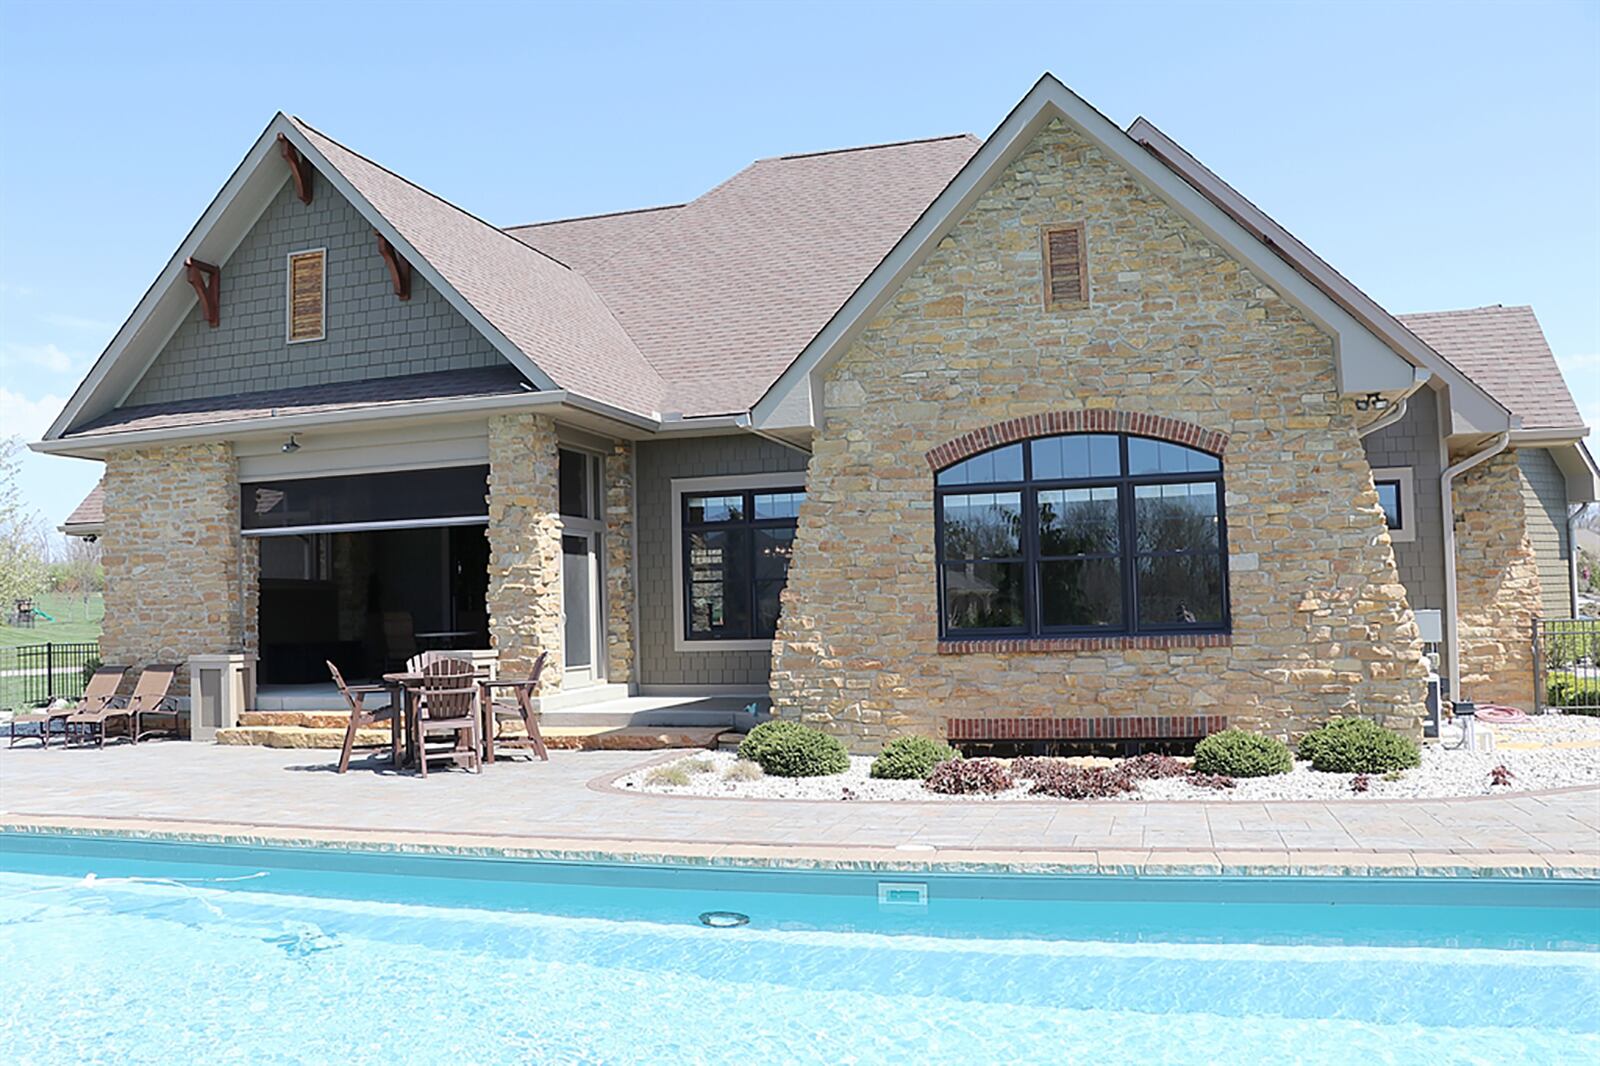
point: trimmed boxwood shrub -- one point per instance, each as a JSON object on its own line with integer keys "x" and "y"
{"x": 1237, "y": 753}
{"x": 789, "y": 749}
{"x": 908, "y": 758}
{"x": 962, "y": 777}
{"x": 1358, "y": 746}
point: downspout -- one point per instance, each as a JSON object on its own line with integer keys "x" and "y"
{"x": 1388, "y": 418}
{"x": 1447, "y": 503}
{"x": 1574, "y": 512}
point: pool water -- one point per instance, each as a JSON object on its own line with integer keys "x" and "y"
{"x": 213, "y": 954}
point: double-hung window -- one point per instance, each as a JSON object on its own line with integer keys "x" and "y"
{"x": 736, "y": 549}
{"x": 1082, "y": 534}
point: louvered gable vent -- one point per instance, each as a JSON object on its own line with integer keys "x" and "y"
{"x": 307, "y": 295}
{"x": 1066, "y": 271}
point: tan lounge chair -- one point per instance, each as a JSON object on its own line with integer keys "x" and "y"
{"x": 525, "y": 692}
{"x": 360, "y": 716}
{"x": 150, "y": 696}
{"x": 101, "y": 689}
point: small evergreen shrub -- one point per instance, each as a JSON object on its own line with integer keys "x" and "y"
{"x": 1237, "y": 753}
{"x": 1576, "y": 695}
{"x": 1358, "y": 746}
{"x": 965, "y": 777}
{"x": 910, "y": 758}
{"x": 1082, "y": 782}
{"x": 795, "y": 750}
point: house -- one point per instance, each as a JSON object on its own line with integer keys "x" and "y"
{"x": 1048, "y": 435}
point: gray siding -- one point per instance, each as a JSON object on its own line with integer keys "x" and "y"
{"x": 1544, "y": 493}
{"x": 659, "y": 463}
{"x": 1414, "y": 441}
{"x": 371, "y": 333}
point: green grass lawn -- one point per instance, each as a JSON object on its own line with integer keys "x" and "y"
{"x": 74, "y": 620}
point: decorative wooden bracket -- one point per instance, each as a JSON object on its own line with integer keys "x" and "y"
{"x": 207, "y": 282}
{"x": 298, "y": 167}
{"x": 399, "y": 269}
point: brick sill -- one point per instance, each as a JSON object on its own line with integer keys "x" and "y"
{"x": 1045, "y": 645}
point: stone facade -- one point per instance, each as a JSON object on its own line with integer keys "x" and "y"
{"x": 619, "y": 563}
{"x": 1497, "y": 583}
{"x": 1174, "y": 328}
{"x": 180, "y": 580}
{"x": 525, "y": 545}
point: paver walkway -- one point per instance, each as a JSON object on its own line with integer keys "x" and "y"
{"x": 562, "y": 799}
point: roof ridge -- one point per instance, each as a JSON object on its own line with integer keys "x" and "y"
{"x": 1467, "y": 310}
{"x": 602, "y": 214}
{"x": 868, "y": 147}
{"x": 426, "y": 191}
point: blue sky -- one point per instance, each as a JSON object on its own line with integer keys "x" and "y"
{"x": 1440, "y": 155}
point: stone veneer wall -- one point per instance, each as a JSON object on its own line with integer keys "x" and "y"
{"x": 524, "y": 545}
{"x": 180, "y": 580}
{"x": 1497, "y": 583}
{"x": 619, "y": 563}
{"x": 1175, "y": 328}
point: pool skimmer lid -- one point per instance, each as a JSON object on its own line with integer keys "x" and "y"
{"x": 724, "y": 919}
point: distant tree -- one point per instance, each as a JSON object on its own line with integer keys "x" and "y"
{"x": 77, "y": 570}
{"x": 23, "y": 542}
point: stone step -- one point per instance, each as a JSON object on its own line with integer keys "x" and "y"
{"x": 567, "y": 738}
{"x": 328, "y": 719}
{"x": 294, "y": 736}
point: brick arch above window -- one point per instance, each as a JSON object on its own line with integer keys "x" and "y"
{"x": 1052, "y": 423}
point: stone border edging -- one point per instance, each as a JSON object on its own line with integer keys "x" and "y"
{"x": 1145, "y": 862}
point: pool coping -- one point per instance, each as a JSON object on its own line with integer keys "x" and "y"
{"x": 1147, "y": 862}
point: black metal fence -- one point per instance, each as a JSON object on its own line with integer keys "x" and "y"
{"x": 1566, "y": 664}
{"x": 35, "y": 674}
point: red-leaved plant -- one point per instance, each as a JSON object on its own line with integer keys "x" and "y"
{"x": 1082, "y": 782}
{"x": 1501, "y": 775}
{"x": 963, "y": 777}
{"x": 1217, "y": 781}
{"x": 1360, "y": 783}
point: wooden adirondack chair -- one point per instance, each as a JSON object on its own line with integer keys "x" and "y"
{"x": 448, "y": 705}
{"x": 525, "y": 692}
{"x": 356, "y": 696}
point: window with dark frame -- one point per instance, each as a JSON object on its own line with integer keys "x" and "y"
{"x": 736, "y": 549}
{"x": 1389, "y": 498}
{"x": 1079, "y": 535}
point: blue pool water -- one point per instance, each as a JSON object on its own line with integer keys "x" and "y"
{"x": 144, "y": 952}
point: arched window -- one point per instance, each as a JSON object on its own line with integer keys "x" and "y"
{"x": 1082, "y": 534}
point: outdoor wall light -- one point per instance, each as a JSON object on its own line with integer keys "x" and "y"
{"x": 291, "y": 445}
{"x": 1372, "y": 401}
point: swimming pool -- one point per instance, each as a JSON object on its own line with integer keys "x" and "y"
{"x": 178, "y": 952}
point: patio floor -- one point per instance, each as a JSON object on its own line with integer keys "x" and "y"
{"x": 566, "y": 803}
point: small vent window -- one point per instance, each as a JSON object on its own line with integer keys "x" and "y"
{"x": 1066, "y": 274}
{"x": 307, "y": 295}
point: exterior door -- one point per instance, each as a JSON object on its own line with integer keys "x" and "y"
{"x": 580, "y": 596}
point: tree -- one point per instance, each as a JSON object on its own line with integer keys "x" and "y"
{"x": 23, "y": 565}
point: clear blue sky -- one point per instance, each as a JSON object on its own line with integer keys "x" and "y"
{"x": 1440, "y": 155}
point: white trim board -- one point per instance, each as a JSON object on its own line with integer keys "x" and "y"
{"x": 681, "y": 487}
{"x": 1407, "y": 533}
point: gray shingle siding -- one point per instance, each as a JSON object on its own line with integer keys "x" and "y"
{"x": 1414, "y": 441}
{"x": 370, "y": 332}
{"x": 1544, "y": 492}
{"x": 659, "y": 463}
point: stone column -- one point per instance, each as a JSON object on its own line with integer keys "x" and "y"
{"x": 180, "y": 580}
{"x": 1497, "y": 583}
{"x": 524, "y": 545}
{"x": 619, "y": 563}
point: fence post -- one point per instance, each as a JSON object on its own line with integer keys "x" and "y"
{"x": 1538, "y": 670}
{"x": 49, "y": 670}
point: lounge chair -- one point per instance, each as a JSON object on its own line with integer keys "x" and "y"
{"x": 525, "y": 692}
{"x": 150, "y": 696}
{"x": 356, "y": 697}
{"x": 448, "y": 704}
{"x": 101, "y": 689}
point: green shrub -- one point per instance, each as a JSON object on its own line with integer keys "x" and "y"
{"x": 1574, "y": 694}
{"x": 910, "y": 758}
{"x": 1236, "y": 753}
{"x": 795, "y": 750}
{"x": 1358, "y": 746}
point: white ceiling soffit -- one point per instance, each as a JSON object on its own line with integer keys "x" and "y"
{"x": 225, "y": 223}
{"x": 1578, "y": 466}
{"x": 1366, "y": 363}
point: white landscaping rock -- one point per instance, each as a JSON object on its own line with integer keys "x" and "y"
{"x": 1445, "y": 772}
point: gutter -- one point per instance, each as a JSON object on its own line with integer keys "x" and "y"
{"x": 1420, "y": 377}
{"x": 747, "y": 423}
{"x": 1452, "y": 624}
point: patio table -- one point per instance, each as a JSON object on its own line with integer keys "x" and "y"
{"x": 403, "y": 687}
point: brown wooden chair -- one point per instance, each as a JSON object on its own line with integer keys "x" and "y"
{"x": 100, "y": 690}
{"x": 360, "y": 716}
{"x": 448, "y": 704}
{"x": 525, "y": 693}
{"x": 150, "y": 696}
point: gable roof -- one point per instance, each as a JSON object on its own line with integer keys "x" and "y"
{"x": 721, "y": 292}
{"x": 89, "y": 517}
{"x": 1503, "y": 350}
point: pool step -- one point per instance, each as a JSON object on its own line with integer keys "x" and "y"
{"x": 581, "y": 738}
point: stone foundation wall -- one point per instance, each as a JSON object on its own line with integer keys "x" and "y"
{"x": 1173, "y": 328}
{"x": 180, "y": 580}
{"x": 1497, "y": 583}
{"x": 524, "y": 545}
{"x": 619, "y": 475}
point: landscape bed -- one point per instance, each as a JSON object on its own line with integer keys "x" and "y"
{"x": 190, "y": 948}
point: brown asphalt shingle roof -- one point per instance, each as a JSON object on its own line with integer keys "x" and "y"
{"x": 91, "y": 513}
{"x": 1504, "y": 351}
{"x": 722, "y": 293}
